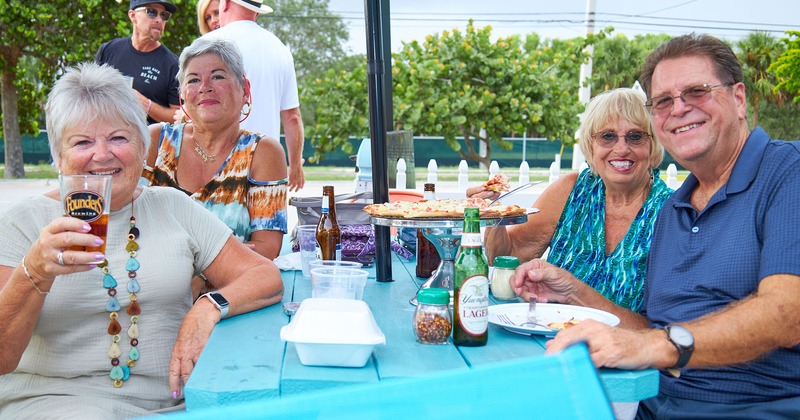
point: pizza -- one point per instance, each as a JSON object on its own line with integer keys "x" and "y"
{"x": 498, "y": 183}
{"x": 566, "y": 324}
{"x": 441, "y": 208}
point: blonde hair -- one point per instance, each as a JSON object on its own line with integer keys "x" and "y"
{"x": 614, "y": 105}
{"x": 202, "y": 6}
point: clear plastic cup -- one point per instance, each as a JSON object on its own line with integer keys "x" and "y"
{"x": 307, "y": 240}
{"x": 338, "y": 282}
{"x": 333, "y": 263}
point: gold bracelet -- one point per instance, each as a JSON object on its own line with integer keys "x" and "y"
{"x": 25, "y": 269}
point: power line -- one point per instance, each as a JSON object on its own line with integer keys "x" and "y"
{"x": 600, "y": 21}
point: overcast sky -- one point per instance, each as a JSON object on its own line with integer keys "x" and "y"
{"x": 729, "y": 19}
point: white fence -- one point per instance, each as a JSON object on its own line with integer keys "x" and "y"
{"x": 523, "y": 198}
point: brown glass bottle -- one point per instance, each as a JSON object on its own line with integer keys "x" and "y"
{"x": 329, "y": 236}
{"x": 427, "y": 256}
{"x": 471, "y": 284}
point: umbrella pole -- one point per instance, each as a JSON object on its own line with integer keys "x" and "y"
{"x": 379, "y": 61}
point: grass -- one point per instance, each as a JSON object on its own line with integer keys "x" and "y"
{"x": 312, "y": 173}
{"x": 37, "y": 171}
{"x": 333, "y": 173}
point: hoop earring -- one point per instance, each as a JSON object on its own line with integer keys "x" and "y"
{"x": 246, "y": 109}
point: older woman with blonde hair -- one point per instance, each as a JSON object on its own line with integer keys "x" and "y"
{"x": 115, "y": 339}
{"x": 597, "y": 223}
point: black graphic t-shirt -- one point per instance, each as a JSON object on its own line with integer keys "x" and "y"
{"x": 153, "y": 72}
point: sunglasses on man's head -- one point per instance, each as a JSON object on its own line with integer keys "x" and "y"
{"x": 153, "y": 13}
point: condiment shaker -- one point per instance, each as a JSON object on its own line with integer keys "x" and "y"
{"x": 432, "y": 317}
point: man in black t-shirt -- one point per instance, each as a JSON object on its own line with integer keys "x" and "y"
{"x": 152, "y": 66}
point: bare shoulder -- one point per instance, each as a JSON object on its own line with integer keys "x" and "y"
{"x": 269, "y": 160}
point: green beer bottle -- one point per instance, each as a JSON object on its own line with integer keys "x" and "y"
{"x": 471, "y": 297}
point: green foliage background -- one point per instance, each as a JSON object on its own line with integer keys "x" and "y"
{"x": 457, "y": 83}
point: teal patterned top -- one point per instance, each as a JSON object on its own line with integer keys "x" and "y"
{"x": 579, "y": 241}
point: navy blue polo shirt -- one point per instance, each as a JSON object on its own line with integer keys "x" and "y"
{"x": 701, "y": 262}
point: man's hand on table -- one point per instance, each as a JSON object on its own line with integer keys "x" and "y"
{"x": 616, "y": 347}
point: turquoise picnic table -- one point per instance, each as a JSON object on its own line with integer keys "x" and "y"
{"x": 246, "y": 361}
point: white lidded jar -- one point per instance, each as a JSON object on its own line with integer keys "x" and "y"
{"x": 504, "y": 267}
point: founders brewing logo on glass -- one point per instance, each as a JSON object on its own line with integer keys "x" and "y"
{"x": 85, "y": 205}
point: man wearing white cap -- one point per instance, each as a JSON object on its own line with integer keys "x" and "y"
{"x": 142, "y": 57}
{"x": 269, "y": 66}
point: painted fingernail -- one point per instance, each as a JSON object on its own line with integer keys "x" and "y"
{"x": 98, "y": 241}
{"x": 174, "y": 395}
{"x": 86, "y": 228}
{"x": 99, "y": 257}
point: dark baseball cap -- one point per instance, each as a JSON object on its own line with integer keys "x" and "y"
{"x": 139, "y": 3}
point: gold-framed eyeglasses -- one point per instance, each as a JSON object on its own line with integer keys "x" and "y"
{"x": 154, "y": 13}
{"x": 694, "y": 95}
{"x": 608, "y": 139}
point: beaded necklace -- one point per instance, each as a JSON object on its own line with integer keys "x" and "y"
{"x": 120, "y": 373}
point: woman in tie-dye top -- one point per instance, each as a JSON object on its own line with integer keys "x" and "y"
{"x": 597, "y": 224}
{"x": 239, "y": 176}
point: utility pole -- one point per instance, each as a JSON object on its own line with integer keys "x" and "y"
{"x": 585, "y": 92}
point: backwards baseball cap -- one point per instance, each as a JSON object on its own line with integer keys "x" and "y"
{"x": 139, "y": 3}
{"x": 257, "y": 6}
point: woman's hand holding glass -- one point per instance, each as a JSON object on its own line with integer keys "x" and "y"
{"x": 48, "y": 257}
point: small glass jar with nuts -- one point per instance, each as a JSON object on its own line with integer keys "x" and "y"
{"x": 432, "y": 321}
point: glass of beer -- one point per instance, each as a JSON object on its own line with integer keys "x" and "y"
{"x": 88, "y": 197}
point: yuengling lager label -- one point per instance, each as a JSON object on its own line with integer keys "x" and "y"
{"x": 473, "y": 305}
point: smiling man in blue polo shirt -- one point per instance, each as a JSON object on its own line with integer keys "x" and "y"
{"x": 723, "y": 278}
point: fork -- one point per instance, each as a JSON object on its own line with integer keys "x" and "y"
{"x": 504, "y": 318}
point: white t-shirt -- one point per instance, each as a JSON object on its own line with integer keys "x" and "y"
{"x": 64, "y": 371}
{"x": 269, "y": 66}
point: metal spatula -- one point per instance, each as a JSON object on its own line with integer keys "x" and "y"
{"x": 520, "y": 188}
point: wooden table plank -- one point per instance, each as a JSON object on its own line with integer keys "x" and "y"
{"x": 242, "y": 359}
{"x": 245, "y": 359}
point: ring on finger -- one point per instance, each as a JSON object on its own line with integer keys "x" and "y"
{"x": 60, "y": 257}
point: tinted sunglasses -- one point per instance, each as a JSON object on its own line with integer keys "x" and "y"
{"x": 609, "y": 138}
{"x": 153, "y": 13}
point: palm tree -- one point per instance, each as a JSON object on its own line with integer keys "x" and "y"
{"x": 756, "y": 52}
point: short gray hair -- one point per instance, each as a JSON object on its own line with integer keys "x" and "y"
{"x": 614, "y": 105}
{"x": 226, "y": 50}
{"x": 90, "y": 92}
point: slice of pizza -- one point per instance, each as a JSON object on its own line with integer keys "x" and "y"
{"x": 566, "y": 324}
{"x": 498, "y": 183}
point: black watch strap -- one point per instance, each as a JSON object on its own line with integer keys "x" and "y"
{"x": 683, "y": 340}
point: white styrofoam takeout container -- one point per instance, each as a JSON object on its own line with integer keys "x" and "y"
{"x": 333, "y": 332}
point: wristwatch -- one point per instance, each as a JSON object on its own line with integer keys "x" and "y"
{"x": 683, "y": 340}
{"x": 219, "y": 301}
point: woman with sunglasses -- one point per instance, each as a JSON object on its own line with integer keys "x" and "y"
{"x": 239, "y": 176}
{"x": 597, "y": 223}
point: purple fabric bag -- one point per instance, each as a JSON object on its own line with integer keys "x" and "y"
{"x": 358, "y": 243}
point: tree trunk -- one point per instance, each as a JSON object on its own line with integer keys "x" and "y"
{"x": 11, "y": 137}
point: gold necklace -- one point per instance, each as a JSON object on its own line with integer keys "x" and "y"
{"x": 207, "y": 158}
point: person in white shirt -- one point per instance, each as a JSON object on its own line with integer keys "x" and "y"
{"x": 269, "y": 66}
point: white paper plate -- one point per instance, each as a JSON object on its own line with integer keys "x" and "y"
{"x": 545, "y": 314}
